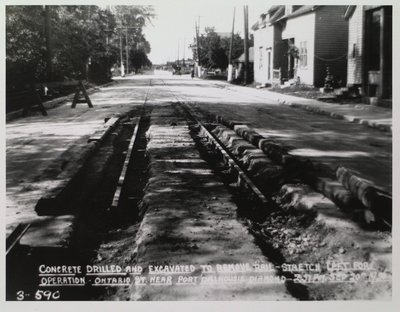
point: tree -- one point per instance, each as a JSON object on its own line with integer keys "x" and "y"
{"x": 130, "y": 21}
{"x": 80, "y": 38}
{"x": 84, "y": 41}
{"x": 237, "y": 47}
{"x": 214, "y": 50}
{"x": 25, "y": 49}
{"x": 139, "y": 59}
{"x": 211, "y": 53}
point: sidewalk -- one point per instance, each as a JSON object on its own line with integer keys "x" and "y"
{"x": 372, "y": 116}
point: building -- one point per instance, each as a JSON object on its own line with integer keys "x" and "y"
{"x": 300, "y": 42}
{"x": 370, "y": 52}
{"x": 266, "y": 45}
{"x": 239, "y": 66}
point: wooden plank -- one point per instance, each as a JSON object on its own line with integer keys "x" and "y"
{"x": 76, "y": 98}
{"x": 85, "y": 94}
{"x": 81, "y": 88}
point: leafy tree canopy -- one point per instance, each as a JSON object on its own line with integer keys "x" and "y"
{"x": 214, "y": 50}
{"x": 82, "y": 39}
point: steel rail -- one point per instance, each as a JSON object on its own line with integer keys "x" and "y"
{"x": 122, "y": 176}
{"x": 13, "y": 239}
{"x": 128, "y": 158}
{"x": 233, "y": 162}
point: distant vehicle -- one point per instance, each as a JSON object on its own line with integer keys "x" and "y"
{"x": 214, "y": 72}
{"x": 186, "y": 70}
{"x": 176, "y": 70}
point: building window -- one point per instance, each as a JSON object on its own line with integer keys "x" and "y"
{"x": 260, "y": 55}
{"x": 354, "y": 53}
{"x": 303, "y": 54}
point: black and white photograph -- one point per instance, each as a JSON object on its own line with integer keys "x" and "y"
{"x": 199, "y": 151}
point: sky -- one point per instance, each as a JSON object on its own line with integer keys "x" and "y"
{"x": 174, "y": 25}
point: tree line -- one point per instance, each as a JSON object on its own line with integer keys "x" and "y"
{"x": 214, "y": 48}
{"x": 56, "y": 43}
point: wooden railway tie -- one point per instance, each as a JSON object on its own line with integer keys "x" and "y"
{"x": 77, "y": 97}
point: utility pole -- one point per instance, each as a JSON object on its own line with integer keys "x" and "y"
{"x": 197, "y": 68}
{"x": 230, "y": 67}
{"x": 127, "y": 51}
{"x": 197, "y": 43}
{"x": 126, "y": 48}
{"x": 232, "y": 34}
{"x": 246, "y": 44}
{"x": 178, "y": 53}
{"x": 197, "y": 25}
{"x": 122, "y": 60}
{"x": 183, "y": 61}
{"x": 47, "y": 31}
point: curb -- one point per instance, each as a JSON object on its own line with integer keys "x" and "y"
{"x": 290, "y": 100}
{"x": 319, "y": 111}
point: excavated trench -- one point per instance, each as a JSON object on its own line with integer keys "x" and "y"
{"x": 89, "y": 196}
{"x": 299, "y": 225}
{"x": 282, "y": 231}
{"x": 250, "y": 211}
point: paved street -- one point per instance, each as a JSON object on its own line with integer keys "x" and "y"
{"x": 136, "y": 172}
{"x": 186, "y": 207}
{"x": 332, "y": 142}
{"x": 34, "y": 142}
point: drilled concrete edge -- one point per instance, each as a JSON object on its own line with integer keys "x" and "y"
{"x": 104, "y": 130}
{"x": 326, "y": 186}
{"x": 52, "y": 198}
{"x": 299, "y": 201}
{"x": 328, "y": 221}
{"x": 352, "y": 212}
{"x": 67, "y": 177}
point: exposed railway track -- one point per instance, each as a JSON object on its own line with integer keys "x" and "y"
{"x": 128, "y": 182}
